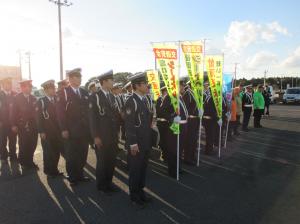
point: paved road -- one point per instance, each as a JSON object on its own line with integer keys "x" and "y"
{"x": 256, "y": 181}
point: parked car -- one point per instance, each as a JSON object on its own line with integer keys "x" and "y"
{"x": 292, "y": 95}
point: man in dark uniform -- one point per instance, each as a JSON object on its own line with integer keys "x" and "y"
{"x": 48, "y": 128}
{"x": 103, "y": 115}
{"x": 72, "y": 114}
{"x": 23, "y": 121}
{"x": 168, "y": 113}
{"x": 209, "y": 121}
{"x": 7, "y": 97}
{"x": 193, "y": 126}
{"x": 116, "y": 91}
{"x": 138, "y": 138}
{"x": 92, "y": 88}
{"x": 128, "y": 90}
{"x": 162, "y": 124}
{"x": 61, "y": 85}
{"x": 247, "y": 104}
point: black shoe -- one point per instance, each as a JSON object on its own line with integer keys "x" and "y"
{"x": 237, "y": 133}
{"x": 138, "y": 203}
{"x": 73, "y": 182}
{"x": 210, "y": 152}
{"x": 105, "y": 191}
{"x": 245, "y": 129}
{"x": 84, "y": 179}
{"x": 189, "y": 163}
{"x": 113, "y": 189}
{"x": 145, "y": 199}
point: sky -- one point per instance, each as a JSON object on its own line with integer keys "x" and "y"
{"x": 100, "y": 35}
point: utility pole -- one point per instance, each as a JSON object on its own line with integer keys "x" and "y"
{"x": 235, "y": 68}
{"x": 20, "y": 61}
{"x": 28, "y": 54}
{"x": 265, "y": 76}
{"x": 59, "y": 4}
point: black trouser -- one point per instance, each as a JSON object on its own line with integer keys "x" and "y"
{"x": 192, "y": 139}
{"x": 6, "y": 134}
{"x": 217, "y": 132}
{"x": 106, "y": 162}
{"x": 209, "y": 125}
{"x": 267, "y": 106}
{"x": 257, "y": 117}
{"x": 52, "y": 148}
{"x": 76, "y": 150}
{"x": 163, "y": 129}
{"x": 137, "y": 172}
{"x": 232, "y": 128}
{"x": 247, "y": 113}
{"x": 27, "y": 145}
{"x": 172, "y": 148}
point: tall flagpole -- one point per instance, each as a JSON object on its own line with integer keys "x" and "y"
{"x": 220, "y": 131}
{"x": 228, "y": 119}
{"x": 178, "y": 113}
{"x": 201, "y": 113}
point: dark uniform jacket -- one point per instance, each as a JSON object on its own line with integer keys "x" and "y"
{"x": 247, "y": 99}
{"x": 47, "y": 118}
{"x": 103, "y": 116}
{"x": 137, "y": 123}
{"x": 6, "y": 104}
{"x": 72, "y": 112}
{"x": 190, "y": 102}
{"x": 209, "y": 107}
{"x": 24, "y": 112}
{"x": 167, "y": 110}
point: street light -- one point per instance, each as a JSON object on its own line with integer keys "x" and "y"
{"x": 59, "y": 4}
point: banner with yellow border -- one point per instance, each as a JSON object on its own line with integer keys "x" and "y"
{"x": 214, "y": 68}
{"x": 167, "y": 61}
{"x": 193, "y": 54}
{"x": 153, "y": 80}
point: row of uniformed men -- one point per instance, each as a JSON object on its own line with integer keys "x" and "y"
{"x": 69, "y": 118}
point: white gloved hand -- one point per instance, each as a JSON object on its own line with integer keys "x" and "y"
{"x": 200, "y": 113}
{"x": 220, "y": 122}
{"x": 228, "y": 115}
{"x": 177, "y": 119}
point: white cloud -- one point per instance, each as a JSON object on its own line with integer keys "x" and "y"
{"x": 241, "y": 34}
{"x": 293, "y": 60}
{"x": 261, "y": 60}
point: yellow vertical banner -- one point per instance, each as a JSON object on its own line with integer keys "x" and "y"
{"x": 153, "y": 80}
{"x": 166, "y": 57}
{"x": 167, "y": 61}
{"x": 193, "y": 54}
{"x": 214, "y": 68}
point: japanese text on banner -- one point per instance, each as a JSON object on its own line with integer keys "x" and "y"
{"x": 193, "y": 54}
{"x": 153, "y": 80}
{"x": 214, "y": 67}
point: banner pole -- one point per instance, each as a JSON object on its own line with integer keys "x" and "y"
{"x": 178, "y": 113}
{"x": 226, "y": 135}
{"x": 220, "y": 139}
{"x": 200, "y": 122}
